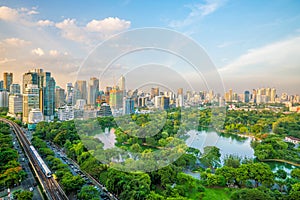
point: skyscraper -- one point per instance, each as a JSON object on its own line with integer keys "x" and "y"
{"x": 122, "y": 83}
{"x": 3, "y": 99}
{"x": 93, "y": 90}
{"x": 80, "y": 90}
{"x": 116, "y": 98}
{"x": 273, "y": 95}
{"x": 15, "y": 88}
{"x": 165, "y": 103}
{"x": 154, "y": 92}
{"x": 30, "y": 77}
{"x": 15, "y": 104}
{"x": 128, "y": 107}
{"x": 30, "y": 100}
{"x": 46, "y": 87}
{"x": 47, "y": 95}
{"x": 59, "y": 97}
{"x": 1, "y": 85}
{"x": 69, "y": 95}
{"x": 246, "y": 96}
{"x": 8, "y": 80}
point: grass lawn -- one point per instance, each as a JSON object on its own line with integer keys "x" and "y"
{"x": 216, "y": 194}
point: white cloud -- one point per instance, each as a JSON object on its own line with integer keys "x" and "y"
{"x": 8, "y": 14}
{"x": 38, "y": 52}
{"x": 45, "y": 23}
{"x": 93, "y": 30}
{"x": 32, "y": 12}
{"x": 279, "y": 58}
{"x": 16, "y": 42}
{"x": 110, "y": 24}
{"x": 53, "y": 53}
{"x": 198, "y": 11}
{"x": 6, "y": 60}
{"x": 71, "y": 31}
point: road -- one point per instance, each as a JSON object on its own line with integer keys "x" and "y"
{"x": 75, "y": 168}
{"x": 52, "y": 189}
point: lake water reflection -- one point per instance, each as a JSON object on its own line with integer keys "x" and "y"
{"x": 228, "y": 144}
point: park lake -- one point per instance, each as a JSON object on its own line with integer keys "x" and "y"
{"x": 229, "y": 144}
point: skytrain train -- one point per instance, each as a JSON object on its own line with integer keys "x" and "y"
{"x": 41, "y": 162}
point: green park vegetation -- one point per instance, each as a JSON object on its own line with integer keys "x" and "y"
{"x": 11, "y": 173}
{"x": 237, "y": 178}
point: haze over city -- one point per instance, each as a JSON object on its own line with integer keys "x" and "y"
{"x": 252, "y": 44}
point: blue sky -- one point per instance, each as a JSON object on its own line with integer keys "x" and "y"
{"x": 252, "y": 43}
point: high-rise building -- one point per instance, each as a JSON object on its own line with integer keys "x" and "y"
{"x": 180, "y": 91}
{"x": 128, "y": 107}
{"x": 1, "y": 85}
{"x": 46, "y": 87}
{"x": 15, "y": 89}
{"x": 116, "y": 98}
{"x": 273, "y": 95}
{"x": 121, "y": 83}
{"x": 30, "y": 77}
{"x": 15, "y": 104}
{"x": 59, "y": 97}
{"x": 254, "y": 95}
{"x": 157, "y": 101}
{"x": 165, "y": 103}
{"x": 80, "y": 90}
{"x": 246, "y": 96}
{"x": 8, "y": 80}
{"x": 69, "y": 95}
{"x": 30, "y": 100}
{"x": 3, "y": 99}
{"x": 154, "y": 92}
{"x": 47, "y": 95}
{"x": 93, "y": 90}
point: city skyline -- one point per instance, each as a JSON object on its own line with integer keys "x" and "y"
{"x": 253, "y": 44}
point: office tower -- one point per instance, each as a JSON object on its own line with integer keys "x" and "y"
{"x": 234, "y": 97}
{"x": 180, "y": 91}
{"x": 254, "y": 95}
{"x": 165, "y": 103}
{"x": 69, "y": 95}
{"x": 46, "y": 87}
{"x": 122, "y": 85}
{"x": 47, "y": 95}
{"x": 107, "y": 94}
{"x": 157, "y": 101}
{"x": 273, "y": 95}
{"x": 30, "y": 77}
{"x": 128, "y": 107}
{"x": 284, "y": 96}
{"x": 8, "y": 80}
{"x": 80, "y": 90}
{"x": 15, "y": 104}
{"x": 142, "y": 102}
{"x": 246, "y": 96}
{"x": 116, "y": 98}
{"x": 30, "y": 100}
{"x": 154, "y": 92}
{"x": 1, "y": 85}
{"x": 59, "y": 97}
{"x": 179, "y": 100}
{"x": 93, "y": 90}
{"x": 3, "y": 99}
{"x": 230, "y": 95}
{"x": 80, "y": 103}
{"x": 15, "y": 89}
